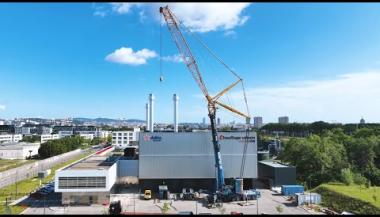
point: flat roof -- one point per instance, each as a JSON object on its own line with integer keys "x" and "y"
{"x": 17, "y": 145}
{"x": 94, "y": 162}
{"x": 274, "y": 164}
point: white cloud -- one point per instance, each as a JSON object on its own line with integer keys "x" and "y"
{"x": 344, "y": 99}
{"x": 99, "y": 10}
{"x": 199, "y": 17}
{"x": 230, "y": 33}
{"x": 100, "y": 13}
{"x": 205, "y": 17}
{"x": 173, "y": 58}
{"x": 125, "y": 55}
{"x": 123, "y": 8}
{"x": 2, "y": 107}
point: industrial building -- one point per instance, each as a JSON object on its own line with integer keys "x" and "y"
{"x": 87, "y": 181}
{"x": 19, "y": 151}
{"x": 275, "y": 174}
{"x": 183, "y": 159}
{"x": 187, "y": 159}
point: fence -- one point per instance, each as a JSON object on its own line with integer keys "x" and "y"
{"x": 26, "y": 171}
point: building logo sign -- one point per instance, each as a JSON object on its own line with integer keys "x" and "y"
{"x": 241, "y": 139}
{"x": 152, "y": 138}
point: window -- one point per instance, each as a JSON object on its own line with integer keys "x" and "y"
{"x": 81, "y": 182}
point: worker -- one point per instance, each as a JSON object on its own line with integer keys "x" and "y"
{"x": 161, "y": 78}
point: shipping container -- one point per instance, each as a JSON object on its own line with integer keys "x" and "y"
{"x": 310, "y": 198}
{"x": 291, "y": 190}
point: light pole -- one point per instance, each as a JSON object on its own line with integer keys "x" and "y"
{"x": 196, "y": 207}
{"x": 16, "y": 184}
{"x": 257, "y": 205}
{"x": 44, "y": 203}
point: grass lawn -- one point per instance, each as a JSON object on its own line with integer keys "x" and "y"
{"x": 24, "y": 187}
{"x": 355, "y": 191}
{"x": 9, "y": 164}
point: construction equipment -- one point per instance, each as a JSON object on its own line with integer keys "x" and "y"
{"x": 187, "y": 194}
{"x": 147, "y": 194}
{"x": 223, "y": 192}
{"x": 115, "y": 208}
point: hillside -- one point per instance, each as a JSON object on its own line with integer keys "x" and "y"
{"x": 352, "y": 198}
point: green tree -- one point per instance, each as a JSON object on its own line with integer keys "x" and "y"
{"x": 347, "y": 176}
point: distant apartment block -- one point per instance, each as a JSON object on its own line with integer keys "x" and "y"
{"x": 7, "y": 129}
{"x": 9, "y": 138}
{"x": 258, "y": 122}
{"x": 47, "y": 137}
{"x": 89, "y": 136}
{"x": 65, "y": 133}
{"x": 122, "y": 139}
{"x": 283, "y": 120}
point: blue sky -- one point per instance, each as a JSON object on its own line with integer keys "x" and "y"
{"x": 308, "y": 61}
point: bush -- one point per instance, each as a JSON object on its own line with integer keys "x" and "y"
{"x": 279, "y": 209}
{"x": 347, "y": 176}
{"x": 359, "y": 179}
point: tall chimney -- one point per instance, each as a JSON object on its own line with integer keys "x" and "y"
{"x": 175, "y": 100}
{"x": 147, "y": 107}
{"x": 151, "y": 115}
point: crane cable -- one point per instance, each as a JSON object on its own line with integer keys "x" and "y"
{"x": 220, "y": 61}
{"x": 246, "y": 139}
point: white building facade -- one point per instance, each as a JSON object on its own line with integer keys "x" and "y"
{"x": 18, "y": 151}
{"x": 8, "y": 138}
{"x": 123, "y": 139}
{"x": 47, "y": 137}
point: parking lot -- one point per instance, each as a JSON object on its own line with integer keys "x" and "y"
{"x": 132, "y": 203}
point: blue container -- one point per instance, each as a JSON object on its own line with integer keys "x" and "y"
{"x": 239, "y": 186}
{"x": 291, "y": 190}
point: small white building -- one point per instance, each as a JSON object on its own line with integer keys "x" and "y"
{"x": 47, "y": 137}
{"x": 87, "y": 181}
{"x": 9, "y": 138}
{"x": 122, "y": 139}
{"x": 19, "y": 151}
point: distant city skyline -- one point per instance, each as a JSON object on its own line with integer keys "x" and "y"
{"x": 310, "y": 62}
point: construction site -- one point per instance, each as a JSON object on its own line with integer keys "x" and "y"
{"x": 209, "y": 167}
{"x": 198, "y": 172}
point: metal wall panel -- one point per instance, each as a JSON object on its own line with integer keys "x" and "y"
{"x": 127, "y": 168}
{"x": 165, "y": 155}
